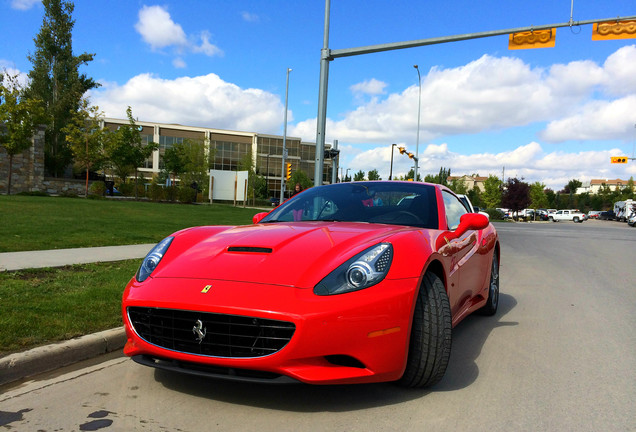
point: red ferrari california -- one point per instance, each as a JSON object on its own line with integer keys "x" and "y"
{"x": 346, "y": 283}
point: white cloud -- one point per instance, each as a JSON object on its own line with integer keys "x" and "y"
{"x": 529, "y": 161}
{"x": 206, "y": 47}
{"x": 23, "y": 4}
{"x": 8, "y": 68}
{"x": 179, "y": 63}
{"x": 196, "y": 101}
{"x": 597, "y": 120}
{"x": 157, "y": 28}
{"x": 497, "y": 93}
{"x": 249, "y": 17}
{"x": 369, "y": 87}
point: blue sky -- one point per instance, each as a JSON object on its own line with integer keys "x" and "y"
{"x": 546, "y": 115}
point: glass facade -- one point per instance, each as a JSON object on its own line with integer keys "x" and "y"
{"x": 230, "y": 150}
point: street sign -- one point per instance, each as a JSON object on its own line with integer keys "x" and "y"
{"x": 532, "y": 39}
{"x": 614, "y": 30}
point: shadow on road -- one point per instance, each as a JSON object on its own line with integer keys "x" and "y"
{"x": 468, "y": 340}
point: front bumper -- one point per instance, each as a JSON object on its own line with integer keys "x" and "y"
{"x": 356, "y": 337}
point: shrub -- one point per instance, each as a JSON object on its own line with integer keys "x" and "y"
{"x": 171, "y": 193}
{"x": 126, "y": 189}
{"x": 186, "y": 194}
{"x": 156, "y": 192}
{"x": 494, "y": 214}
{"x": 97, "y": 188}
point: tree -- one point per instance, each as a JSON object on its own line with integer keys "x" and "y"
{"x": 85, "y": 135}
{"x": 516, "y": 195}
{"x": 56, "y": 81}
{"x": 441, "y": 178}
{"x": 374, "y": 175}
{"x": 17, "y": 120}
{"x": 492, "y": 192}
{"x": 458, "y": 186}
{"x": 125, "y": 150}
{"x": 175, "y": 160}
{"x": 300, "y": 177}
{"x": 359, "y": 176}
{"x": 537, "y": 196}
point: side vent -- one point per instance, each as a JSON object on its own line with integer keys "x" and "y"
{"x": 249, "y": 249}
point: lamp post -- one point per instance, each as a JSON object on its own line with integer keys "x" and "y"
{"x": 282, "y": 169}
{"x": 419, "y": 107}
{"x": 391, "y": 170}
{"x": 347, "y": 174}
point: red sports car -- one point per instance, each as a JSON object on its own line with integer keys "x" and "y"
{"x": 346, "y": 283}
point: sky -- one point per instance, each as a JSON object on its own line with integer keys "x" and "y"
{"x": 548, "y": 115}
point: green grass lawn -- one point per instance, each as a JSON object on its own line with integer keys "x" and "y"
{"x": 43, "y": 306}
{"x": 39, "y": 223}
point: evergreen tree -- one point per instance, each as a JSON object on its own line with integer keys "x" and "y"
{"x": 374, "y": 175}
{"x": 359, "y": 176}
{"x": 56, "y": 81}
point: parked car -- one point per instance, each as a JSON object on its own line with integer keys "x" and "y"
{"x": 568, "y": 215}
{"x": 593, "y": 214}
{"x": 607, "y": 215}
{"x": 322, "y": 290}
{"x": 632, "y": 220}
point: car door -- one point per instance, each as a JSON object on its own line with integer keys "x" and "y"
{"x": 466, "y": 264}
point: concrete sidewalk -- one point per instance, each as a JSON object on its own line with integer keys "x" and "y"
{"x": 14, "y": 367}
{"x": 11, "y": 261}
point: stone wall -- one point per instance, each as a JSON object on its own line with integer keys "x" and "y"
{"x": 28, "y": 167}
{"x": 28, "y": 172}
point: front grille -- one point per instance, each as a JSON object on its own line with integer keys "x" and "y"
{"x": 225, "y": 335}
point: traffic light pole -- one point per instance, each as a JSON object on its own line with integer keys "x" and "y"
{"x": 284, "y": 155}
{"x": 328, "y": 55}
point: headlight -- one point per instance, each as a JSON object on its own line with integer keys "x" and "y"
{"x": 362, "y": 271}
{"x": 150, "y": 263}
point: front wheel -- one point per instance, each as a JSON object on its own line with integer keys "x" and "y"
{"x": 430, "y": 343}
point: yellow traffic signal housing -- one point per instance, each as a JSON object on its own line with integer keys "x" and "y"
{"x": 288, "y": 175}
{"x": 532, "y": 39}
{"x": 619, "y": 159}
{"x": 402, "y": 150}
{"x": 614, "y": 30}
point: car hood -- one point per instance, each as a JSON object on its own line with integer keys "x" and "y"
{"x": 293, "y": 254}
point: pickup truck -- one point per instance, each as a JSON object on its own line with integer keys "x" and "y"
{"x": 568, "y": 215}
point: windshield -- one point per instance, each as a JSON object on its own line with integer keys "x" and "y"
{"x": 394, "y": 203}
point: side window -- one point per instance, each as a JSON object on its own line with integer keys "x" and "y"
{"x": 454, "y": 210}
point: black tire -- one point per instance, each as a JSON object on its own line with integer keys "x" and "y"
{"x": 431, "y": 335}
{"x": 490, "y": 308}
{"x": 576, "y": 220}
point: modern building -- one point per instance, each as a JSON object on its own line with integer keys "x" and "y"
{"x": 230, "y": 148}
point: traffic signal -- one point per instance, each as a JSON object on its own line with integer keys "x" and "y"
{"x": 532, "y": 39}
{"x": 619, "y": 159}
{"x": 402, "y": 150}
{"x": 614, "y": 30}
{"x": 288, "y": 171}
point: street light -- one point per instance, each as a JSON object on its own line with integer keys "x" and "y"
{"x": 282, "y": 168}
{"x": 419, "y": 106}
{"x": 391, "y": 170}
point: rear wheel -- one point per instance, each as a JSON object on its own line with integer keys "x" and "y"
{"x": 576, "y": 219}
{"x": 490, "y": 308}
{"x": 430, "y": 344}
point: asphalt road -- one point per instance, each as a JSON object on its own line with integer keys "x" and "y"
{"x": 559, "y": 356}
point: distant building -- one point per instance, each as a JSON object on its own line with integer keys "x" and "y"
{"x": 594, "y": 186}
{"x": 229, "y": 149}
{"x": 470, "y": 182}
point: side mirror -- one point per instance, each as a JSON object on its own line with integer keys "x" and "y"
{"x": 258, "y": 217}
{"x": 471, "y": 221}
{"x": 468, "y": 222}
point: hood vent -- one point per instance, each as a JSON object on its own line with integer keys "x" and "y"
{"x": 249, "y": 249}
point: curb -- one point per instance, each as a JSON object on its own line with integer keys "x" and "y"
{"x": 50, "y": 357}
